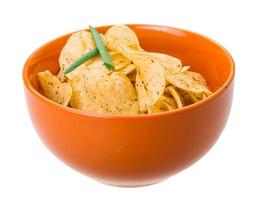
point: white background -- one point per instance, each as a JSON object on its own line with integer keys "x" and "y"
{"x": 232, "y": 169}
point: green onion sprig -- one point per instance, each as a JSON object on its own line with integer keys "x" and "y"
{"x": 81, "y": 60}
{"x": 101, "y": 48}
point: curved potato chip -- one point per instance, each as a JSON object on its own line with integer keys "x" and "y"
{"x": 142, "y": 94}
{"x": 169, "y": 102}
{"x": 120, "y": 36}
{"x": 102, "y": 93}
{"x": 77, "y": 45}
{"x": 160, "y": 106}
{"x": 197, "y": 97}
{"x": 197, "y": 77}
{"x": 128, "y": 69}
{"x": 171, "y": 64}
{"x": 119, "y": 61}
{"x": 125, "y": 94}
{"x": 168, "y": 106}
{"x": 168, "y": 99}
{"x": 53, "y": 89}
{"x": 175, "y": 95}
{"x": 187, "y": 83}
{"x": 185, "y": 98}
{"x": 152, "y": 73}
{"x": 78, "y": 81}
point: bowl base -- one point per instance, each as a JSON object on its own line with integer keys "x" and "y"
{"x": 131, "y": 184}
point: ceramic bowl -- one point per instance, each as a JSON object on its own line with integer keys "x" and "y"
{"x": 136, "y": 150}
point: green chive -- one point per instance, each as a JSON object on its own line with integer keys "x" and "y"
{"x": 81, "y": 60}
{"x": 101, "y": 48}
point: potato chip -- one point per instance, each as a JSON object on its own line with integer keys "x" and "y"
{"x": 175, "y": 95}
{"x": 125, "y": 94}
{"x": 197, "y": 97}
{"x": 151, "y": 72}
{"x": 169, "y": 102}
{"x": 160, "y": 106}
{"x": 144, "y": 100}
{"x": 119, "y": 61}
{"x": 197, "y": 77}
{"x": 120, "y": 36}
{"x": 122, "y": 39}
{"x": 102, "y": 93}
{"x": 187, "y": 83}
{"x": 53, "y": 89}
{"x": 79, "y": 80}
{"x": 77, "y": 45}
{"x": 171, "y": 64}
{"x": 185, "y": 97}
{"x": 128, "y": 69}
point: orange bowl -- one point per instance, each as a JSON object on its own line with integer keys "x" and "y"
{"x": 136, "y": 150}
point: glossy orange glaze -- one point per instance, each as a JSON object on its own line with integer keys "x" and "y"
{"x": 136, "y": 150}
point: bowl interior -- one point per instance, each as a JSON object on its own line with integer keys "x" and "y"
{"x": 203, "y": 55}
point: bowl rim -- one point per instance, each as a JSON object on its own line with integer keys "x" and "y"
{"x": 32, "y": 90}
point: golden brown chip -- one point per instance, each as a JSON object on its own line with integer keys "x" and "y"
{"x": 119, "y": 61}
{"x": 128, "y": 69}
{"x": 169, "y": 102}
{"x": 152, "y": 74}
{"x": 197, "y": 77}
{"x": 175, "y": 95}
{"x": 160, "y": 106}
{"x": 102, "y": 93}
{"x": 171, "y": 64}
{"x": 144, "y": 100}
{"x": 197, "y": 97}
{"x": 86, "y": 76}
{"x": 77, "y": 45}
{"x": 185, "y": 97}
{"x": 187, "y": 83}
{"x": 120, "y": 36}
{"x": 123, "y": 40}
{"x": 125, "y": 94}
{"x": 53, "y": 89}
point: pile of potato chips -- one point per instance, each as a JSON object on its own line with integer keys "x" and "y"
{"x": 142, "y": 82}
